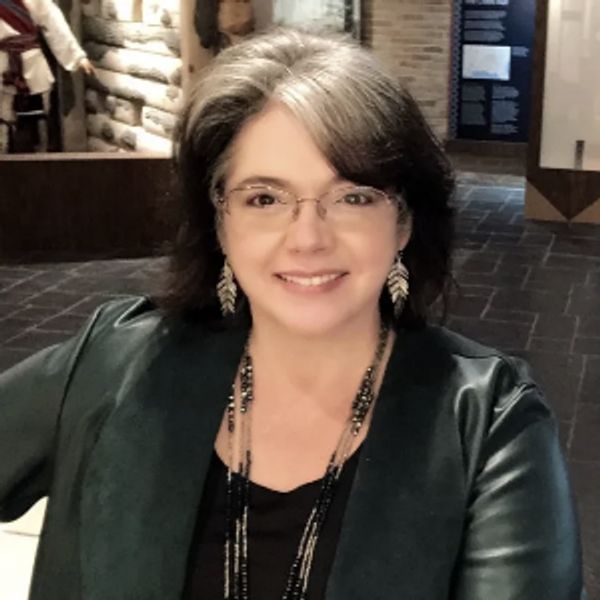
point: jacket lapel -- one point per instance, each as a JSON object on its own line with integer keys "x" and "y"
{"x": 402, "y": 525}
{"x": 145, "y": 477}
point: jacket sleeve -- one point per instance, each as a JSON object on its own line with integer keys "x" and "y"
{"x": 31, "y": 398}
{"x": 57, "y": 33}
{"x": 521, "y": 534}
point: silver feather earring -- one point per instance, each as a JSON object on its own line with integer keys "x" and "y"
{"x": 227, "y": 290}
{"x": 397, "y": 284}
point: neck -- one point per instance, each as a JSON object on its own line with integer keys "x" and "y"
{"x": 316, "y": 364}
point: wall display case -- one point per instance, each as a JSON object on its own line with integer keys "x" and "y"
{"x": 563, "y": 162}
{"x": 145, "y": 53}
{"x": 571, "y": 109}
{"x": 112, "y": 191}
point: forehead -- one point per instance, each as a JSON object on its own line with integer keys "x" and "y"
{"x": 275, "y": 144}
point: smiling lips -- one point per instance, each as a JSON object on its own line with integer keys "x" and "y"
{"x": 313, "y": 280}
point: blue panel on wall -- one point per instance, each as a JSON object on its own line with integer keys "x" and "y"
{"x": 491, "y": 70}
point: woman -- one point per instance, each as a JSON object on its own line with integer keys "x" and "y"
{"x": 320, "y": 440}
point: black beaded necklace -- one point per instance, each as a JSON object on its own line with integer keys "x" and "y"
{"x": 238, "y": 483}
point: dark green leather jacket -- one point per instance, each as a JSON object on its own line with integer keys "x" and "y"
{"x": 461, "y": 491}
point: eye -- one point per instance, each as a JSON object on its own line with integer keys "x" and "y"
{"x": 262, "y": 200}
{"x": 359, "y": 198}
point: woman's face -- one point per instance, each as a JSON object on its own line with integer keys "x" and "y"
{"x": 309, "y": 272}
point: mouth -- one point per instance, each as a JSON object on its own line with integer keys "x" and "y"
{"x": 311, "y": 280}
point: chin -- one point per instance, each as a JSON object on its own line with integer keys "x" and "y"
{"x": 311, "y": 328}
{"x": 318, "y": 322}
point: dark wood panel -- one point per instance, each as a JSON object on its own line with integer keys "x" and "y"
{"x": 569, "y": 191}
{"x": 78, "y": 205}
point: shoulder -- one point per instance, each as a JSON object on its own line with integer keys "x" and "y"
{"x": 136, "y": 329}
{"x": 485, "y": 394}
{"x": 132, "y": 313}
{"x": 134, "y": 326}
{"x": 113, "y": 333}
{"x": 128, "y": 321}
{"x": 502, "y": 382}
{"x": 110, "y": 322}
{"x": 443, "y": 340}
{"x": 507, "y": 380}
{"x": 448, "y": 357}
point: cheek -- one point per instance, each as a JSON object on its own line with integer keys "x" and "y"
{"x": 380, "y": 262}
{"x": 377, "y": 250}
{"x": 236, "y": 241}
{"x": 370, "y": 260}
{"x": 248, "y": 255}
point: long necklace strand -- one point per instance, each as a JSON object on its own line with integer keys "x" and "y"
{"x": 237, "y": 585}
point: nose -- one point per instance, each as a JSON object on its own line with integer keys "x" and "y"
{"x": 320, "y": 209}
{"x": 308, "y": 231}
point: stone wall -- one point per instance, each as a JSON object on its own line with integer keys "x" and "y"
{"x": 132, "y": 102}
{"x": 413, "y": 37}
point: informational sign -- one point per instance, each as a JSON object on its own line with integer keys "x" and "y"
{"x": 492, "y": 66}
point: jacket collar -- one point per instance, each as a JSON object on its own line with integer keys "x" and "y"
{"x": 146, "y": 473}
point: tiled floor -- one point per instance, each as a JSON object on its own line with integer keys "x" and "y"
{"x": 531, "y": 289}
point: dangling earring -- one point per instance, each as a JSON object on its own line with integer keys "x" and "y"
{"x": 227, "y": 290}
{"x": 397, "y": 284}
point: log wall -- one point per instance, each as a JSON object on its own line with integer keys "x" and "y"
{"x": 132, "y": 102}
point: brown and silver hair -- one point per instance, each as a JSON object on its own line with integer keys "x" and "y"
{"x": 363, "y": 120}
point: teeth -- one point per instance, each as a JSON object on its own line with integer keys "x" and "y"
{"x": 310, "y": 281}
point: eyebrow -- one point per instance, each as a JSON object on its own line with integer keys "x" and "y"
{"x": 277, "y": 181}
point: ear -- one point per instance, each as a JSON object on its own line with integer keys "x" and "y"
{"x": 221, "y": 237}
{"x": 404, "y": 231}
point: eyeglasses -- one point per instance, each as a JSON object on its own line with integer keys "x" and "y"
{"x": 268, "y": 206}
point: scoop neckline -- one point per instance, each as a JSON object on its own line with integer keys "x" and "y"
{"x": 303, "y": 486}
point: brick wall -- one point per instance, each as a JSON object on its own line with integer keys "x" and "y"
{"x": 413, "y": 38}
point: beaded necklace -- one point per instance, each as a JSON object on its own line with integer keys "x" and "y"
{"x": 238, "y": 483}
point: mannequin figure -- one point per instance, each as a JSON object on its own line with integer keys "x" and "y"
{"x": 25, "y": 76}
{"x": 236, "y": 19}
{"x": 221, "y": 23}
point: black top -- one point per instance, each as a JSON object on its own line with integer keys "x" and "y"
{"x": 275, "y": 524}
